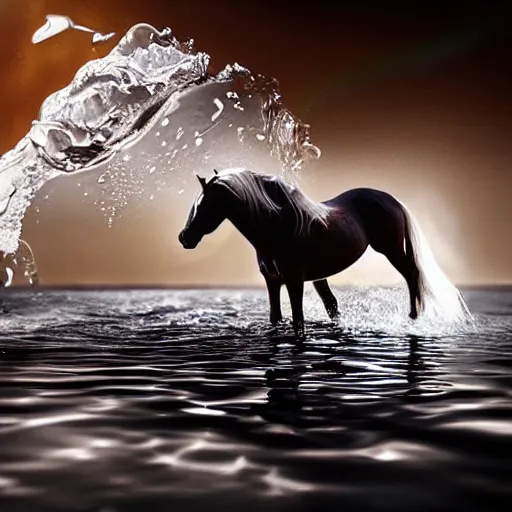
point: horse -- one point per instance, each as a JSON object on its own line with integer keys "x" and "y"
{"x": 298, "y": 240}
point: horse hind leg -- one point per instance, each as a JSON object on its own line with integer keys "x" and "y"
{"x": 407, "y": 268}
{"x": 330, "y": 303}
{"x": 389, "y": 241}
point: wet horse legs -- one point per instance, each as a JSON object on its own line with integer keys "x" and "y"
{"x": 274, "y": 284}
{"x": 328, "y": 298}
{"x": 274, "y": 298}
{"x": 296, "y": 293}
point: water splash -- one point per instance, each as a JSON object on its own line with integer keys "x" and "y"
{"x": 20, "y": 266}
{"x": 56, "y": 23}
{"x": 145, "y": 116}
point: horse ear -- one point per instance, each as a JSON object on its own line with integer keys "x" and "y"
{"x": 202, "y": 181}
{"x": 215, "y": 172}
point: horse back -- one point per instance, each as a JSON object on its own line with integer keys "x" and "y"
{"x": 365, "y": 201}
{"x": 378, "y": 213}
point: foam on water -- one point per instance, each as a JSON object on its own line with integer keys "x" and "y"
{"x": 149, "y": 105}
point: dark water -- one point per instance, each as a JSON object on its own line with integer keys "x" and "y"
{"x": 165, "y": 400}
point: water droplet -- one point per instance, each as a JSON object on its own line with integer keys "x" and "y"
{"x": 100, "y": 38}
{"x": 220, "y": 108}
{"x": 165, "y": 122}
{"x": 199, "y": 141}
{"x": 56, "y": 23}
{"x": 10, "y": 275}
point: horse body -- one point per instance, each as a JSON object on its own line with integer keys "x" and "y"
{"x": 298, "y": 240}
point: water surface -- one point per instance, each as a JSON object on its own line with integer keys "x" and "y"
{"x": 182, "y": 400}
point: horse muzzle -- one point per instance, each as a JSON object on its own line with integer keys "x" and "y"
{"x": 187, "y": 242}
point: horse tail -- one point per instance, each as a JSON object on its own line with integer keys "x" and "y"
{"x": 434, "y": 290}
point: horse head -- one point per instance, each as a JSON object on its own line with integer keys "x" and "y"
{"x": 207, "y": 213}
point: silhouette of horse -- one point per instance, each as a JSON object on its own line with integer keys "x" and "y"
{"x": 298, "y": 240}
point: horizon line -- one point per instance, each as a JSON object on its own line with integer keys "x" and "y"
{"x": 206, "y": 286}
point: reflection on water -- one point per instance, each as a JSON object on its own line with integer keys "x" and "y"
{"x": 124, "y": 400}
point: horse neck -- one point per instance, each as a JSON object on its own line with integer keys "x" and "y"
{"x": 260, "y": 231}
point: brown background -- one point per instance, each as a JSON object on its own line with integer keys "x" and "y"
{"x": 414, "y": 100}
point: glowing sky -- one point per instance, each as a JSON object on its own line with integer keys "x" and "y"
{"x": 414, "y": 102}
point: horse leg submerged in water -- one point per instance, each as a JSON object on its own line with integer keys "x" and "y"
{"x": 274, "y": 283}
{"x": 328, "y": 298}
{"x": 299, "y": 240}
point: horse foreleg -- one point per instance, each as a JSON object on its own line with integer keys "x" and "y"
{"x": 274, "y": 298}
{"x": 296, "y": 293}
{"x": 274, "y": 285}
{"x": 328, "y": 298}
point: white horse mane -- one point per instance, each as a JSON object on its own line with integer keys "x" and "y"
{"x": 249, "y": 187}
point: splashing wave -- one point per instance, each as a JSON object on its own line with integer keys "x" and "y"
{"x": 149, "y": 84}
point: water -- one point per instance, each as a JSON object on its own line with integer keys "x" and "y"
{"x": 55, "y": 24}
{"x": 161, "y": 400}
{"x": 20, "y": 264}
